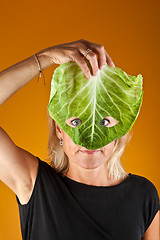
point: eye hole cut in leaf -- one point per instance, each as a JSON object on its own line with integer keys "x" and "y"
{"x": 112, "y": 95}
{"x": 110, "y": 121}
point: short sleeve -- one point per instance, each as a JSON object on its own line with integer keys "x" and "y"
{"x": 152, "y": 204}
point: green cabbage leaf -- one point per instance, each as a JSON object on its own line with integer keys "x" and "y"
{"x": 112, "y": 94}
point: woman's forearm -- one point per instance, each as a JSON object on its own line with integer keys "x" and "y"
{"x": 16, "y": 76}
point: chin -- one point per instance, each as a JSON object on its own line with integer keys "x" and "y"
{"x": 89, "y": 164}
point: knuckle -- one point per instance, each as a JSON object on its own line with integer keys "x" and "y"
{"x": 101, "y": 47}
{"x": 82, "y": 40}
{"x": 92, "y": 55}
{"x": 82, "y": 62}
{"x": 80, "y": 44}
{"x": 87, "y": 70}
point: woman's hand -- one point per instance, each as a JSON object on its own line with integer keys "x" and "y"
{"x": 74, "y": 51}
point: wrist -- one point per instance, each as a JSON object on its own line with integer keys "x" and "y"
{"x": 44, "y": 59}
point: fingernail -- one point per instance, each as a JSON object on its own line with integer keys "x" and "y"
{"x": 102, "y": 67}
{"x": 88, "y": 75}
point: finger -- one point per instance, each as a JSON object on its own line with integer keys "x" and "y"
{"x": 100, "y": 51}
{"x": 91, "y": 56}
{"x": 103, "y": 56}
{"x": 109, "y": 60}
{"x": 79, "y": 59}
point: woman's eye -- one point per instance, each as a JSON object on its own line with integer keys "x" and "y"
{"x": 104, "y": 122}
{"x": 75, "y": 121}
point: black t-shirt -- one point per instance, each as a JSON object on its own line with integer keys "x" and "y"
{"x": 63, "y": 209}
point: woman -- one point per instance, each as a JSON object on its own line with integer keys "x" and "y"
{"x": 76, "y": 197}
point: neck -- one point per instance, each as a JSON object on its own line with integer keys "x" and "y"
{"x": 97, "y": 176}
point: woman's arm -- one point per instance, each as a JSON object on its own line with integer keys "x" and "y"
{"x": 152, "y": 233}
{"x": 16, "y": 76}
{"x": 20, "y": 178}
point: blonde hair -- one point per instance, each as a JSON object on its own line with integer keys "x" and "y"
{"x": 59, "y": 160}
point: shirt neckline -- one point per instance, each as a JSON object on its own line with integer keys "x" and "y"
{"x": 84, "y": 185}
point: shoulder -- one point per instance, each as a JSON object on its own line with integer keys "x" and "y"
{"x": 146, "y": 190}
{"x": 143, "y": 182}
{"x": 46, "y": 168}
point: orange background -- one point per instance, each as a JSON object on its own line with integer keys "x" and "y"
{"x": 129, "y": 31}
